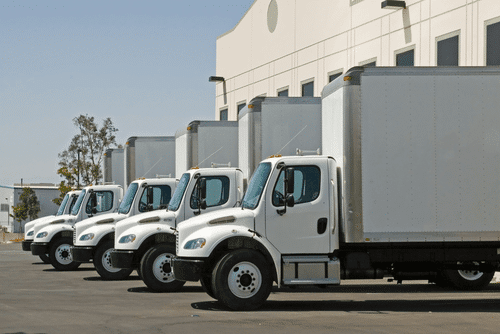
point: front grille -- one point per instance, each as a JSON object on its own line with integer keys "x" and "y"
{"x": 177, "y": 243}
{"x": 74, "y": 237}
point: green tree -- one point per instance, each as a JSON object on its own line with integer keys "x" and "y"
{"x": 28, "y": 207}
{"x": 80, "y": 163}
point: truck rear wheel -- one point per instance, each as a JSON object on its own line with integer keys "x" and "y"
{"x": 60, "y": 255}
{"x": 468, "y": 279}
{"x": 45, "y": 258}
{"x": 103, "y": 265}
{"x": 156, "y": 269}
{"x": 241, "y": 280}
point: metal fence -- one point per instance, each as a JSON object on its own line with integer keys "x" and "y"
{"x": 11, "y": 237}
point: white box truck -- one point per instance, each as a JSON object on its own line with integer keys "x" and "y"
{"x": 146, "y": 241}
{"x": 67, "y": 204}
{"x": 149, "y": 157}
{"x": 93, "y": 238}
{"x": 55, "y": 236}
{"x": 205, "y": 144}
{"x": 278, "y": 125}
{"x": 409, "y": 190}
{"x": 113, "y": 170}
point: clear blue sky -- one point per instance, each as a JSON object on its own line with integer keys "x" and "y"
{"x": 143, "y": 63}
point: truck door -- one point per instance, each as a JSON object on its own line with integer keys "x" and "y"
{"x": 99, "y": 202}
{"x": 217, "y": 196}
{"x": 304, "y": 228}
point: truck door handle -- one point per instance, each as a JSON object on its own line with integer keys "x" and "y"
{"x": 322, "y": 223}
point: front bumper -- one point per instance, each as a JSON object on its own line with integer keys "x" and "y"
{"x": 122, "y": 259}
{"x": 82, "y": 254}
{"x": 188, "y": 269}
{"x": 27, "y": 245}
{"x": 39, "y": 248}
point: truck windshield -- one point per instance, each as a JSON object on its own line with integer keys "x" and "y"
{"x": 63, "y": 205}
{"x": 176, "y": 199}
{"x": 256, "y": 186}
{"x": 78, "y": 203}
{"x": 126, "y": 204}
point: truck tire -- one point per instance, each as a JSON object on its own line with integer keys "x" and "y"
{"x": 103, "y": 265}
{"x": 156, "y": 269}
{"x": 242, "y": 280}
{"x": 60, "y": 255}
{"x": 206, "y": 284}
{"x": 45, "y": 258}
{"x": 468, "y": 279}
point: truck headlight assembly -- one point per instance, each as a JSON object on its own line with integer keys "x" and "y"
{"x": 87, "y": 237}
{"x": 30, "y": 233}
{"x": 127, "y": 238}
{"x": 42, "y": 234}
{"x": 195, "y": 244}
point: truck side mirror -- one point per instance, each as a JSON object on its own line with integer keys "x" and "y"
{"x": 288, "y": 200}
{"x": 203, "y": 188}
{"x": 202, "y": 195}
{"x": 289, "y": 180}
{"x": 149, "y": 195}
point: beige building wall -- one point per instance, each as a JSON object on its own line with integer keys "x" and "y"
{"x": 315, "y": 38}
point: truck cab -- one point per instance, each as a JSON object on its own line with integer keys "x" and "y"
{"x": 67, "y": 204}
{"x": 146, "y": 242}
{"x": 285, "y": 231}
{"x": 94, "y": 237}
{"x": 55, "y": 237}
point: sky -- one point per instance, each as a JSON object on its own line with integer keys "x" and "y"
{"x": 145, "y": 64}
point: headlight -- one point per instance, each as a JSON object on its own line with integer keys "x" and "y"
{"x": 127, "y": 238}
{"x": 87, "y": 237}
{"x": 42, "y": 235}
{"x": 196, "y": 243}
{"x": 30, "y": 233}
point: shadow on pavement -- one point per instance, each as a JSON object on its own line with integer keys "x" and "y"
{"x": 145, "y": 289}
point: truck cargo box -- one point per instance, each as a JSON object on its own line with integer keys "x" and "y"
{"x": 113, "y": 166}
{"x": 149, "y": 157}
{"x": 419, "y": 150}
{"x": 202, "y": 143}
{"x": 278, "y": 125}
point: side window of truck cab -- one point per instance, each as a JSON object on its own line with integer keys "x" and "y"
{"x": 306, "y": 185}
{"x": 217, "y": 192}
{"x": 102, "y": 201}
{"x": 161, "y": 198}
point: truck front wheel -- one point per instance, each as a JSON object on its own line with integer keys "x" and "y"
{"x": 156, "y": 269}
{"x": 45, "y": 258}
{"x": 241, "y": 280}
{"x": 60, "y": 255}
{"x": 468, "y": 279}
{"x": 103, "y": 265}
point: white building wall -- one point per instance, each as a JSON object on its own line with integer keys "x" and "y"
{"x": 316, "y": 38}
{"x": 10, "y": 195}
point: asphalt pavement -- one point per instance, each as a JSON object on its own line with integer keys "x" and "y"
{"x": 34, "y": 298}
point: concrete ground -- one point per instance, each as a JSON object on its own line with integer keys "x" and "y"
{"x": 34, "y": 298}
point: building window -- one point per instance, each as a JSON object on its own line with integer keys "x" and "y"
{"x": 283, "y": 92}
{"x": 334, "y": 76}
{"x": 447, "y": 51}
{"x": 493, "y": 44}
{"x": 240, "y": 107}
{"x": 406, "y": 58}
{"x": 4, "y": 207}
{"x": 308, "y": 89}
{"x": 369, "y": 62}
{"x": 223, "y": 115}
